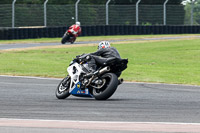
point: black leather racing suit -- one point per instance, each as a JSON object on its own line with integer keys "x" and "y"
{"x": 102, "y": 54}
{"x": 107, "y": 53}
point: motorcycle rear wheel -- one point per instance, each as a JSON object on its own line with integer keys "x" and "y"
{"x": 73, "y": 40}
{"x": 108, "y": 89}
{"x": 62, "y": 90}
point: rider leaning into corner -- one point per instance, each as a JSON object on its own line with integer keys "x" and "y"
{"x": 104, "y": 52}
{"x": 76, "y": 30}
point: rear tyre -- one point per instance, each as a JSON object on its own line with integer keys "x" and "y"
{"x": 62, "y": 90}
{"x": 108, "y": 89}
{"x": 73, "y": 40}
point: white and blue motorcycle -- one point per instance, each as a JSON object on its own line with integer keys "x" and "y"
{"x": 100, "y": 85}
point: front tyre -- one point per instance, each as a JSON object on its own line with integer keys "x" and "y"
{"x": 111, "y": 83}
{"x": 62, "y": 90}
{"x": 65, "y": 38}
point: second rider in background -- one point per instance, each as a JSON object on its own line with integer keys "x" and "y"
{"x": 72, "y": 33}
{"x": 76, "y": 30}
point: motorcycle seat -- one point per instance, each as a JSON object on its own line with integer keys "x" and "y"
{"x": 104, "y": 61}
{"x": 120, "y": 65}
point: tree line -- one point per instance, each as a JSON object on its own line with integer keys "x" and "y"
{"x": 116, "y": 2}
{"x": 61, "y": 12}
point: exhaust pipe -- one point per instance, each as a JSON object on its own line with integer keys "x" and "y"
{"x": 120, "y": 81}
{"x": 103, "y": 70}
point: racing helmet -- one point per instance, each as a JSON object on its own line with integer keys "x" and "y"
{"x": 103, "y": 44}
{"x": 78, "y": 23}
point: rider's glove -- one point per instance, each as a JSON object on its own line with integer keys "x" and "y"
{"x": 87, "y": 58}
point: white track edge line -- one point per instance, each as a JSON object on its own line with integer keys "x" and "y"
{"x": 43, "y": 120}
{"x": 128, "y": 82}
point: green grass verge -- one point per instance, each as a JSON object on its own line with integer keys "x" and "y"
{"x": 176, "y": 61}
{"x": 88, "y": 38}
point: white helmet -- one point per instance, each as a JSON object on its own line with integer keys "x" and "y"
{"x": 78, "y": 23}
{"x": 104, "y": 44}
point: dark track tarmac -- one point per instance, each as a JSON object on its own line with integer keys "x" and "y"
{"x": 30, "y": 98}
{"x": 34, "y": 98}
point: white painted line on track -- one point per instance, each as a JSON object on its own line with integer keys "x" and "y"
{"x": 161, "y": 84}
{"x": 175, "y": 123}
{"x": 30, "y": 77}
{"x": 128, "y": 82}
{"x": 170, "y": 127}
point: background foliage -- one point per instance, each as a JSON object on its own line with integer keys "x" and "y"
{"x": 92, "y": 1}
{"x": 62, "y": 12}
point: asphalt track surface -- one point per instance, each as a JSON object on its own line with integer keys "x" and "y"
{"x": 28, "y": 104}
{"x": 25, "y": 99}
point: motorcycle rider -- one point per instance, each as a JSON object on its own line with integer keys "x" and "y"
{"x": 76, "y": 30}
{"x": 104, "y": 52}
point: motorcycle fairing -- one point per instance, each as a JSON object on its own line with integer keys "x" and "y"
{"x": 72, "y": 31}
{"x": 74, "y": 71}
{"x": 77, "y": 91}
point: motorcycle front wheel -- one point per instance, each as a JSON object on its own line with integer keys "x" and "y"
{"x": 65, "y": 38}
{"x": 62, "y": 91}
{"x": 111, "y": 83}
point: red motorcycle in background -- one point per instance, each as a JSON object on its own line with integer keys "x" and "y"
{"x": 71, "y": 34}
